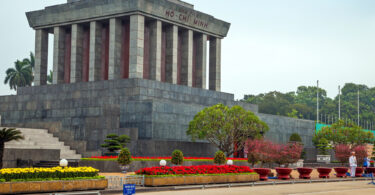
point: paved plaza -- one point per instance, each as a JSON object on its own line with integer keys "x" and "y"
{"x": 335, "y": 188}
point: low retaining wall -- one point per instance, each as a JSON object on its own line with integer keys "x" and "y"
{"x": 16, "y": 158}
{"x": 191, "y": 180}
{"x": 113, "y": 166}
{"x": 52, "y": 186}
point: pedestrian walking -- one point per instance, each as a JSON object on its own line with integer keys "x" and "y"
{"x": 352, "y": 164}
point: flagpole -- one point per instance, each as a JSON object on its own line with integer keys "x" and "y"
{"x": 358, "y": 107}
{"x": 317, "y": 101}
{"x": 339, "y": 102}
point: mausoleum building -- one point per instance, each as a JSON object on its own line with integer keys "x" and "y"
{"x": 94, "y": 40}
{"x": 135, "y": 67}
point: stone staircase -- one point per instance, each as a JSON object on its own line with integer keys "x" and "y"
{"x": 41, "y": 139}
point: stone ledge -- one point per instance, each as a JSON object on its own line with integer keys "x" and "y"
{"x": 195, "y": 180}
{"x": 52, "y": 186}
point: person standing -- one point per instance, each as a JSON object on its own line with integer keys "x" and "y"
{"x": 366, "y": 163}
{"x": 352, "y": 164}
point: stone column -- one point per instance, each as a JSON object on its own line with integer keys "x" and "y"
{"x": 200, "y": 61}
{"x": 41, "y": 57}
{"x": 215, "y": 64}
{"x": 155, "y": 50}
{"x": 115, "y": 48}
{"x": 187, "y": 58}
{"x": 95, "y": 63}
{"x": 58, "y": 55}
{"x": 137, "y": 27}
{"x": 76, "y": 54}
{"x": 171, "y": 54}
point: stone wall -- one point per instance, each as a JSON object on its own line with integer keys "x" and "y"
{"x": 281, "y": 128}
{"x": 82, "y": 114}
{"x": 13, "y": 157}
{"x": 155, "y": 115}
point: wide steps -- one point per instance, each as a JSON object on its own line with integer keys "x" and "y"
{"x": 41, "y": 139}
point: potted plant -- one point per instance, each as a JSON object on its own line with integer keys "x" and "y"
{"x": 361, "y": 154}
{"x": 324, "y": 172}
{"x": 284, "y": 155}
{"x": 304, "y": 172}
{"x": 115, "y": 143}
{"x": 124, "y": 159}
{"x": 260, "y": 150}
{"x": 323, "y": 146}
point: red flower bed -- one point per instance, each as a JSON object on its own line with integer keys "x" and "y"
{"x": 166, "y": 158}
{"x": 194, "y": 170}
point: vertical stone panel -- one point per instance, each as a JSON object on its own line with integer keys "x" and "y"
{"x": 155, "y": 50}
{"x": 86, "y": 54}
{"x": 200, "y": 61}
{"x": 137, "y": 24}
{"x": 215, "y": 64}
{"x": 105, "y": 51}
{"x": 163, "y": 48}
{"x": 41, "y": 57}
{"x": 58, "y": 55}
{"x": 125, "y": 48}
{"x": 68, "y": 47}
{"x": 76, "y": 54}
{"x": 95, "y": 51}
{"x": 187, "y": 58}
{"x": 146, "y": 52}
{"x": 171, "y": 54}
{"x": 115, "y": 48}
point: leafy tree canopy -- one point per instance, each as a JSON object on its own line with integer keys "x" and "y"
{"x": 224, "y": 126}
{"x": 342, "y": 133}
{"x": 302, "y": 103}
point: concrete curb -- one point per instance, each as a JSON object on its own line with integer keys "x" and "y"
{"x": 251, "y": 184}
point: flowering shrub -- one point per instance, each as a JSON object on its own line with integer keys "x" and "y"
{"x": 342, "y": 152}
{"x": 220, "y": 158}
{"x": 360, "y": 153}
{"x": 268, "y": 152}
{"x": 40, "y": 173}
{"x": 194, "y": 170}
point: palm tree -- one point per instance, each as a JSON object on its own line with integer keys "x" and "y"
{"x": 30, "y": 61}
{"x": 7, "y": 135}
{"x": 20, "y": 76}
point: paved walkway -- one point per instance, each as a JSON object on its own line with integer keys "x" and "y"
{"x": 333, "y": 188}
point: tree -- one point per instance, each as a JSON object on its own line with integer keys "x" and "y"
{"x": 323, "y": 145}
{"x": 177, "y": 157}
{"x": 19, "y": 76}
{"x": 302, "y": 103}
{"x": 342, "y": 152}
{"x": 342, "y": 133}
{"x": 125, "y": 157}
{"x": 115, "y": 142}
{"x": 225, "y": 127}
{"x": 295, "y": 138}
{"x": 260, "y": 150}
{"x": 360, "y": 153}
{"x": 220, "y": 158}
{"x": 7, "y": 135}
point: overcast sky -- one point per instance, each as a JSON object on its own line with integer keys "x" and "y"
{"x": 272, "y": 44}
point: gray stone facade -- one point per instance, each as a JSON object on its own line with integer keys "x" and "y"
{"x": 155, "y": 115}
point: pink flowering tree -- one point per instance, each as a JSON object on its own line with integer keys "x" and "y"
{"x": 268, "y": 152}
{"x": 342, "y": 152}
{"x": 360, "y": 153}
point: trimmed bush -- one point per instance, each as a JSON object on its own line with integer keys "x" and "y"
{"x": 177, "y": 157}
{"x": 220, "y": 158}
{"x": 295, "y": 138}
{"x": 124, "y": 158}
